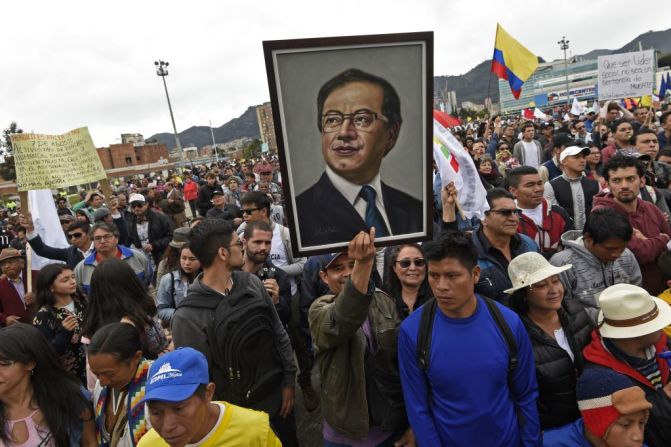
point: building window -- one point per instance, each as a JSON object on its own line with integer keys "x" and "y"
{"x": 129, "y": 161}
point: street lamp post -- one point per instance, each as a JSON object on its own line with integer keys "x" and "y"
{"x": 563, "y": 44}
{"x": 162, "y": 71}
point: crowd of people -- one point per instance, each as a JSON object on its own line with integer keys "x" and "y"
{"x": 179, "y": 314}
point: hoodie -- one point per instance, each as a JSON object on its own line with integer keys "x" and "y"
{"x": 589, "y": 276}
{"x": 649, "y": 220}
{"x": 195, "y": 312}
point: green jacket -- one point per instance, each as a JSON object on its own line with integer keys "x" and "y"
{"x": 348, "y": 371}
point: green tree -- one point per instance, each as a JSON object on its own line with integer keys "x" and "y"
{"x": 7, "y": 167}
{"x": 252, "y": 150}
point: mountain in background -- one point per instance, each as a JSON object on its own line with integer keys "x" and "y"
{"x": 246, "y": 125}
{"x": 472, "y": 86}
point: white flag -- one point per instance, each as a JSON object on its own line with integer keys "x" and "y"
{"x": 456, "y": 165}
{"x": 567, "y": 117}
{"x": 577, "y": 109}
{"x": 47, "y": 224}
{"x": 538, "y": 113}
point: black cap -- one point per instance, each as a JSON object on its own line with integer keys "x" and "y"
{"x": 562, "y": 139}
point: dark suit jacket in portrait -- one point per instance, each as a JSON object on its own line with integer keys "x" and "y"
{"x": 326, "y": 217}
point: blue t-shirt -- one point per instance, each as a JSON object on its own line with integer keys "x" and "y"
{"x": 470, "y": 401}
{"x": 569, "y": 435}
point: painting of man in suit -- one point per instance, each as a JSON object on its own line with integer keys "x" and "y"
{"x": 359, "y": 120}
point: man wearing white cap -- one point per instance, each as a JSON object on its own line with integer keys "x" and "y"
{"x": 572, "y": 190}
{"x": 630, "y": 341}
{"x": 148, "y": 230}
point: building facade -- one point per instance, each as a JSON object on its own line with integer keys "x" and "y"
{"x": 128, "y": 154}
{"x": 264, "y": 115}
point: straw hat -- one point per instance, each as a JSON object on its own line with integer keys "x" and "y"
{"x": 628, "y": 311}
{"x": 530, "y": 268}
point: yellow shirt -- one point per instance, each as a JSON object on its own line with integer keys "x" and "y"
{"x": 240, "y": 427}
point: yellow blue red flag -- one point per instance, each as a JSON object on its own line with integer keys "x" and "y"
{"x": 512, "y": 61}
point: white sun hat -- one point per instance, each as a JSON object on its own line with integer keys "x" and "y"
{"x": 530, "y": 268}
{"x": 629, "y": 311}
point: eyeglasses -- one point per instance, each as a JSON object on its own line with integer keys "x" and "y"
{"x": 250, "y": 210}
{"x": 137, "y": 204}
{"x": 75, "y": 235}
{"x": 362, "y": 120}
{"x": 505, "y": 212}
{"x": 104, "y": 237}
{"x": 237, "y": 243}
{"x": 266, "y": 173}
{"x": 405, "y": 263}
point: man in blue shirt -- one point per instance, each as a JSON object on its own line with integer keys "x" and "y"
{"x": 465, "y": 396}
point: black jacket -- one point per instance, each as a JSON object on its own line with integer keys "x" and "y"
{"x": 556, "y": 373}
{"x": 204, "y": 201}
{"x": 326, "y": 217}
{"x": 160, "y": 233}
{"x": 71, "y": 255}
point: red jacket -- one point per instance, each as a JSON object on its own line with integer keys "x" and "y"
{"x": 190, "y": 190}
{"x": 11, "y": 303}
{"x": 548, "y": 236}
{"x": 596, "y": 353}
{"x": 649, "y": 220}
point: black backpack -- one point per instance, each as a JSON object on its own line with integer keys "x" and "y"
{"x": 246, "y": 363}
{"x": 426, "y": 328}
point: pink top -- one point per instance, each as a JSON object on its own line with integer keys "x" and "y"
{"x": 36, "y": 435}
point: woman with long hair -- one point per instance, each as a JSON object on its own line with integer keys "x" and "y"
{"x": 41, "y": 404}
{"x": 406, "y": 278}
{"x": 559, "y": 330}
{"x": 173, "y": 285}
{"x": 115, "y": 357}
{"x": 61, "y": 315}
{"x": 117, "y": 295}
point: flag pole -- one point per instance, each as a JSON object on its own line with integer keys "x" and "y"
{"x": 489, "y": 81}
{"x": 23, "y": 198}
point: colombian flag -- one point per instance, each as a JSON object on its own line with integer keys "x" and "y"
{"x": 512, "y": 61}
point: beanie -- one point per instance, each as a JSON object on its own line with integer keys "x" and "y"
{"x": 604, "y": 395}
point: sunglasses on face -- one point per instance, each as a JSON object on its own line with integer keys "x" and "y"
{"x": 250, "y": 210}
{"x": 405, "y": 263}
{"x": 75, "y": 235}
{"x": 505, "y": 212}
{"x": 137, "y": 204}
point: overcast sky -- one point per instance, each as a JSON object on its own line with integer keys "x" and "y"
{"x": 75, "y": 63}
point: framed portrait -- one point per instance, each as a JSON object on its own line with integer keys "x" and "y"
{"x": 353, "y": 122}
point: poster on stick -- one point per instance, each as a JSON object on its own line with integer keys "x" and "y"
{"x": 56, "y": 161}
{"x": 626, "y": 75}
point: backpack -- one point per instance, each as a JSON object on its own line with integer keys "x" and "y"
{"x": 247, "y": 366}
{"x": 426, "y": 328}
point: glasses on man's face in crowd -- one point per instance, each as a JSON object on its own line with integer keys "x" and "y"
{"x": 75, "y": 235}
{"x": 249, "y": 210}
{"x": 237, "y": 243}
{"x": 137, "y": 204}
{"x": 505, "y": 212}
{"x": 405, "y": 263}
{"x": 362, "y": 120}
{"x": 104, "y": 237}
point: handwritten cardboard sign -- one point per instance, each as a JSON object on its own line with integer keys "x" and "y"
{"x": 626, "y": 75}
{"x": 56, "y": 161}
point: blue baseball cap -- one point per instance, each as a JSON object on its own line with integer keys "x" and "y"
{"x": 175, "y": 376}
{"x": 326, "y": 260}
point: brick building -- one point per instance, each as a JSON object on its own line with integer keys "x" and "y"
{"x": 123, "y": 155}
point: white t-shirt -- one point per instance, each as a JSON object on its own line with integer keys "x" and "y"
{"x": 278, "y": 254}
{"x": 530, "y": 154}
{"x": 535, "y": 214}
{"x": 562, "y": 341}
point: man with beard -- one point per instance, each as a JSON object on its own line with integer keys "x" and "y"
{"x": 652, "y": 232}
{"x": 257, "y": 240}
